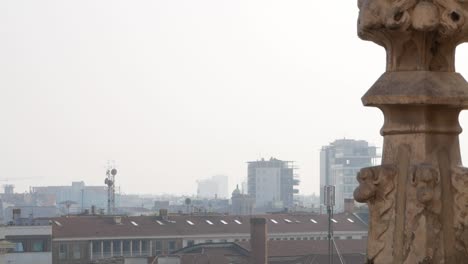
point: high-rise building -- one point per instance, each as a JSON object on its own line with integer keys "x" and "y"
{"x": 271, "y": 183}
{"x": 214, "y": 187}
{"x": 339, "y": 164}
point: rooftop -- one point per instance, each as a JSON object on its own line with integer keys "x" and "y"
{"x": 154, "y": 226}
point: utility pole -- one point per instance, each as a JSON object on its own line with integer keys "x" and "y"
{"x": 329, "y": 201}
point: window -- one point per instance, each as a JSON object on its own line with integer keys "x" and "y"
{"x": 190, "y": 243}
{"x": 37, "y": 245}
{"x": 126, "y": 247}
{"x": 172, "y": 246}
{"x": 76, "y": 251}
{"x": 157, "y": 247}
{"x": 116, "y": 247}
{"x": 107, "y": 247}
{"x": 144, "y": 247}
{"x": 96, "y": 248}
{"x": 136, "y": 247}
{"x": 208, "y": 241}
{"x": 62, "y": 251}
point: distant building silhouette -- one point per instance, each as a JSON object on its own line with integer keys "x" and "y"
{"x": 242, "y": 204}
{"x": 339, "y": 164}
{"x": 84, "y": 196}
{"x": 214, "y": 187}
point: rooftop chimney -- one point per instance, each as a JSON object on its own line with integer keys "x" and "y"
{"x": 118, "y": 220}
{"x": 349, "y": 206}
{"x": 258, "y": 241}
{"x": 163, "y": 214}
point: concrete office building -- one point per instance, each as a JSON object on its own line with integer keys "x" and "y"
{"x": 339, "y": 164}
{"x": 271, "y": 183}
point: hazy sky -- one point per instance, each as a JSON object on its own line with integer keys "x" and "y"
{"x": 179, "y": 90}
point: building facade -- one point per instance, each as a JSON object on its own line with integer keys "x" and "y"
{"x": 339, "y": 164}
{"x": 86, "y": 239}
{"x": 271, "y": 183}
{"x": 30, "y": 240}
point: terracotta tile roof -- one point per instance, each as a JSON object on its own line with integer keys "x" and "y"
{"x": 283, "y": 248}
{"x": 185, "y": 225}
{"x": 295, "y": 251}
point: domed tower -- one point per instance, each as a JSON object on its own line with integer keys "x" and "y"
{"x": 242, "y": 204}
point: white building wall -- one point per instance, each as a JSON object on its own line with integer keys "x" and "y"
{"x": 27, "y": 258}
{"x": 268, "y": 186}
{"x": 25, "y": 231}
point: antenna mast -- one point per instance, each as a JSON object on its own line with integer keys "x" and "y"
{"x": 110, "y": 182}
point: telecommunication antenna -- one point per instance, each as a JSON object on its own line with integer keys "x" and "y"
{"x": 329, "y": 201}
{"x": 110, "y": 182}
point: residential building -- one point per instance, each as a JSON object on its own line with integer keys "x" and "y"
{"x": 29, "y": 212}
{"x": 85, "y": 239}
{"x": 214, "y": 187}
{"x": 339, "y": 164}
{"x": 271, "y": 183}
{"x": 26, "y": 241}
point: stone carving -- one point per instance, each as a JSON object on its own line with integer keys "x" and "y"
{"x": 444, "y": 16}
{"x": 422, "y": 214}
{"x": 460, "y": 186}
{"x": 417, "y": 34}
{"x": 421, "y": 97}
{"x": 377, "y": 189}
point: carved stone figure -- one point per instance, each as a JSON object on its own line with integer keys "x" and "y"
{"x": 376, "y": 187}
{"x": 423, "y": 212}
{"x": 460, "y": 186}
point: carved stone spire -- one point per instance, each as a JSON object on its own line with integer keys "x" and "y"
{"x": 418, "y": 197}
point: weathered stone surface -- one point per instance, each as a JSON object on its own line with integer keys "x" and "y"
{"x": 418, "y": 197}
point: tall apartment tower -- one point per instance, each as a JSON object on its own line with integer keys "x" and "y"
{"x": 271, "y": 183}
{"x": 339, "y": 164}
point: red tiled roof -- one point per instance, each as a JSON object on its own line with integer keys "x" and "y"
{"x": 184, "y": 225}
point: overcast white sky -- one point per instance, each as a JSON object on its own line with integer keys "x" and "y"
{"x": 180, "y": 90}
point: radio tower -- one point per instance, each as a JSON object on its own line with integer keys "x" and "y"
{"x": 110, "y": 182}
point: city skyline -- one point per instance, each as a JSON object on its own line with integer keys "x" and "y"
{"x": 169, "y": 88}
